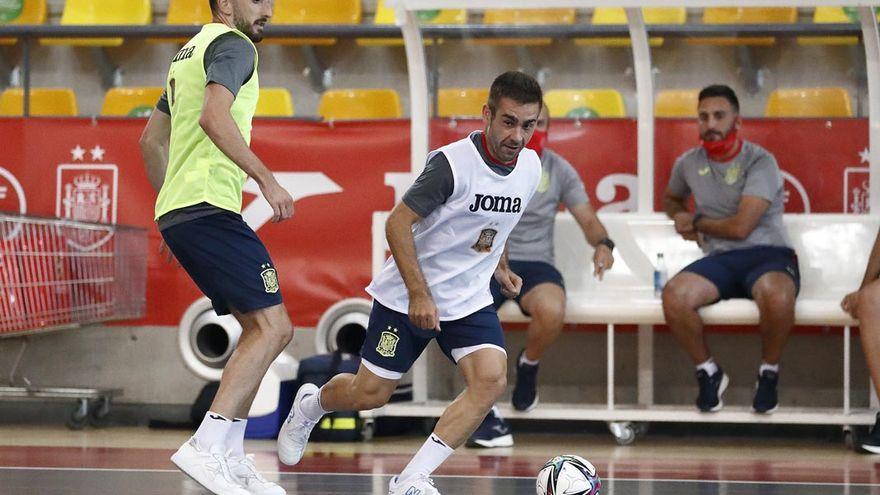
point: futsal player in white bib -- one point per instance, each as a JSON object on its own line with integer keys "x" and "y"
{"x": 447, "y": 240}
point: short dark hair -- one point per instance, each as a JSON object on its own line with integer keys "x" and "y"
{"x": 214, "y": 7}
{"x": 518, "y": 86}
{"x": 720, "y": 90}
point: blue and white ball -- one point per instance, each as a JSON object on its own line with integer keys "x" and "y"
{"x": 568, "y": 475}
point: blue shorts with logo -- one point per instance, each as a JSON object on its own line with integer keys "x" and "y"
{"x": 735, "y": 272}
{"x": 227, "y": 261}
{"x": 393, "y": 343}
{"x": 532, "y": 273}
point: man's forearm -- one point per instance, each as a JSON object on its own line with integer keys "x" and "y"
{"x": 156, "y": 160}
{"x": 403, "y": 248}
{"x": 225, "y": 134}
{"x": 724, "y": 228}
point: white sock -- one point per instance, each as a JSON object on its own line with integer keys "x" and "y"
{"x": 765, "y": 366}
{"x": 708, "y": 366}
{"x": 433, "y": 453}
{"x": 524, "y": 360}
{"x": 311, "y": 406}
{"x": 235, "y": 438}
{"x": 213, "y": 431}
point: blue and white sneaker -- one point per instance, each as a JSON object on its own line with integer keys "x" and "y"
{"x": 493, "y": 432}
{"x": 525, "y": 392}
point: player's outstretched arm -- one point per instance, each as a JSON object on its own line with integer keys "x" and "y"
{"x": 398, "y": 231}
{"x": 217, "y": 122}
{"x": 154, "y": 143}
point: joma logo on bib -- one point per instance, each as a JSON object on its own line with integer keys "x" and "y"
{"x": 499, "y": 204}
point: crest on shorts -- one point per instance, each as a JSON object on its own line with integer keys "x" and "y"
{"x": 270, "y": 279}
{"x": 388, "y": 343}
{"x": 484, "y": 242}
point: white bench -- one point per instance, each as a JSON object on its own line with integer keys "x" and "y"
{"x": 832, "y": 250}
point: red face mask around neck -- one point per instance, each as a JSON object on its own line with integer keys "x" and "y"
{"x": 538, "y": 142}
{"x": 724, "y": 149}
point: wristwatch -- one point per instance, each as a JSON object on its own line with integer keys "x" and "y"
{"x": 607, "y": 242}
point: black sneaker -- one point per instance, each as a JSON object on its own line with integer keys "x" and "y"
{"x": 525, "y": 392}
{"x": 766, "y": 399}
{"x": 871, "y": 443}
{"x": 711, "y": 388}
{"x": 492, "y": 432}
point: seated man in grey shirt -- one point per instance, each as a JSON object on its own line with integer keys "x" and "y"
{"x": 739, "y": 197}
{"x": 530, "y": 251}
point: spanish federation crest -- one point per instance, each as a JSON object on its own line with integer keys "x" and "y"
{"x": 270, "y": 279}
{"x": 485, "y": 241}
{"x": 87, "y": 193}
{"x": 388, "y": 343}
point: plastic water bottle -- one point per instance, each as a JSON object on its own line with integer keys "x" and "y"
{"x": 660, "y": 275}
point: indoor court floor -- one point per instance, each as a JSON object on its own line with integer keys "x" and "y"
{"x": 128, "y": 460}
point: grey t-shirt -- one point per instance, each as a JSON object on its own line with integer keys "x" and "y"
{"x": 532, "y": 238}
{"x": 719, "y": 187}
{"x": 436, "y": 183}
{"x": 229, "y": 60}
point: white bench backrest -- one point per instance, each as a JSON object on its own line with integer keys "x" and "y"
{"x": 832, "y": 249}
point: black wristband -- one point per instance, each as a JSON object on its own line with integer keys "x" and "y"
{"x": 607, "y": 242}
{"x": 697, "y": 217}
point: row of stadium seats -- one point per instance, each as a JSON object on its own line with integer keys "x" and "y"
{"x": 195, "y": 12}
{"x": 353, "y": 104}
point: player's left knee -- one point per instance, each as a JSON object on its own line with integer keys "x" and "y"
{"x": 776, "y": 297}
{"x": 491, "y": 385}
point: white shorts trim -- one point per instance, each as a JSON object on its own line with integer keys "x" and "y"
{"x": 381, "y": 372}
{"x": 458, "y": 354}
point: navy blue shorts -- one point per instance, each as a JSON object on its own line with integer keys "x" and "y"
{"x": 227, "y": 261}
{"x": 532, "y": 273}
{"x": 735, "y": 272}
{"x": 393, "y": 343}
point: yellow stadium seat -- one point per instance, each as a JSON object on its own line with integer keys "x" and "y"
{"x": 359, "y": 104}
{"x": 525, "y": 17}
{"x": 93, "y": 12}
{"x": 585, "y": 103}
{"x": 604, "y": 16}
{"x": 832, "y": 15}
{"x": 315, "y": 12}
{"x": 274, "y": 102}
{"x": 185, "y": 13}
{"x": 745, "y": 15}
{"x": 461, "y": 102}
{"x": 56, "y": 102}
{"x": 809, "y": 102}
{"x": 131, "y": 102}
{"x": 676, "y": 103}
{"x": 32, "y": 12}
{"x": 385, "y": 17}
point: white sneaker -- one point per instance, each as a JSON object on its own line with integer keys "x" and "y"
{"x": 417, "y": 485}
{"x": 209, "y": 468}
{"x": 245, "y": 472}
{"x": 295, "y": 431}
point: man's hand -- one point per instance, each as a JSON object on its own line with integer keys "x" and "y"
{"x": 510, "y": 282}
{"x": 602, "y": 260}
{"x": 279, "y": 199}
{"x": 684, "y": 225}
{"x": 850, "y": 304}
{"x": 423, "y": 312}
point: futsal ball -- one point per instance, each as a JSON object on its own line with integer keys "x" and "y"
{"x": 568, "y": 475}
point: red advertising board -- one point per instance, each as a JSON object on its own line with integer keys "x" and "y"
{"x": 92, "y": 170}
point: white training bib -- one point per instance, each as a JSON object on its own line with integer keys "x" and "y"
{"x": 460, "y": 243}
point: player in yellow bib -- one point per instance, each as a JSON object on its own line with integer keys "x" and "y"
{"x": 197, "y": 155}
